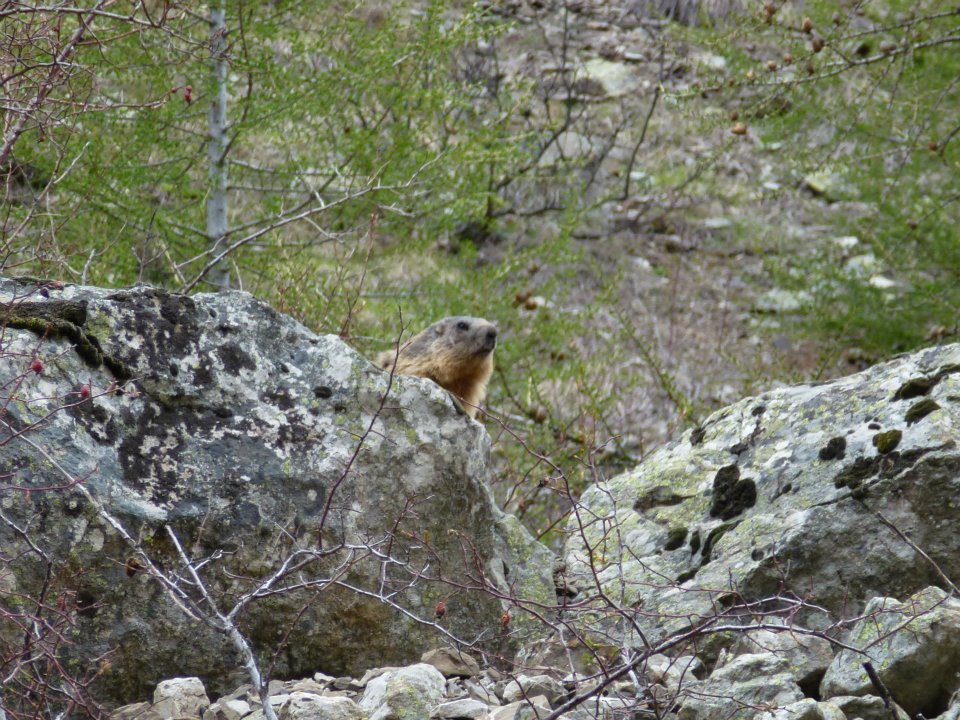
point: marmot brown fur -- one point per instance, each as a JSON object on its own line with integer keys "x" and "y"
{"x": 456, "y": 353}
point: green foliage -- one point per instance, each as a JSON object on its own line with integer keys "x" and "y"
{"x": 357, "y": 107}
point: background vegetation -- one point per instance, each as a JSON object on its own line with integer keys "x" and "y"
{"x": 664, "y": 207}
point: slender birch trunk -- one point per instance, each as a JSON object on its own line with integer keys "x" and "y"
{"x": 217, "y": 148}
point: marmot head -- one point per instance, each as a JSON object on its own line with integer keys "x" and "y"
{"x": 456, "y": 353}
{"x": 471, "y": 335}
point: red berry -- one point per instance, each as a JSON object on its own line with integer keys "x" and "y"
{"x": 84, "y": 391}
{"x": 36, "y": 366}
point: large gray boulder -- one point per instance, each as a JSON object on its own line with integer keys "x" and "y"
{"x": 914, "y": 646}
{"x": 805, "y": 492}
{"x": 252, "y": 439}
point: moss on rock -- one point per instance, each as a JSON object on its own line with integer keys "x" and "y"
{"x": 886, "y": 442}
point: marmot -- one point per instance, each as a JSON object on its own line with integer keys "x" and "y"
{"x": 456, "y": 353}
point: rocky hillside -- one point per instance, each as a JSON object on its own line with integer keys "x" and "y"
{"x": 202, "y": 488}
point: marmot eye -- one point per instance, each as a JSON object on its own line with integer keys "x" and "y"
{"x": 463, "y": 326}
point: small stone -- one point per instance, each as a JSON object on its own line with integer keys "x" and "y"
{"x": 370, "y": 675}
{"x": 342, "y": 683}
{"x": 307, "y": 686}
{"x": 180, "y": 697}
{"x": 807, "y": 656}
{"x": 673, "y": 673}
{"x": 717, "y": 223}
{"x": 866, "y": 707}
{"x": 465, "y": 708}
{"x": 409, "y": 692}
{"x": 244, "y": 692}
{"x": 846, "y": 241}
{"x": 881, "y": 282}
{"x": 528, "y": 686}
{"x": 779, "y": 300}
{"x": 308, "y": 706}
{"x": 806, "y": 709}
{"x": 479, "y": 692}
{"x": 452, "y": 663}
{"x": 861, "y": 265}
{"x": 829, "y": 185}
{"x": 135, "y": 711}
{"x": 709, "y": 60}
{"x": 746, "y": 681}
{"x": 518, "y": 711}
{"x": 606, "y": 78}
{"x": 227, "y": 710}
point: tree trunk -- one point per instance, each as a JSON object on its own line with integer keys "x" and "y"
{"x": 217, "y": 149}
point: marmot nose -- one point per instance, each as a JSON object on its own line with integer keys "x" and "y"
{"x": 491, "y": 341}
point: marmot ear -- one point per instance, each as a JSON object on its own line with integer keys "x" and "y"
{"x": 441, "y": 328}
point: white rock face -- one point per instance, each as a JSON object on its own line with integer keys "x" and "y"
{"x": 528, "y": 686}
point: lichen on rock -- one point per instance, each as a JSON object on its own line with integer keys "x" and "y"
{"x": 822, "y": 461}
